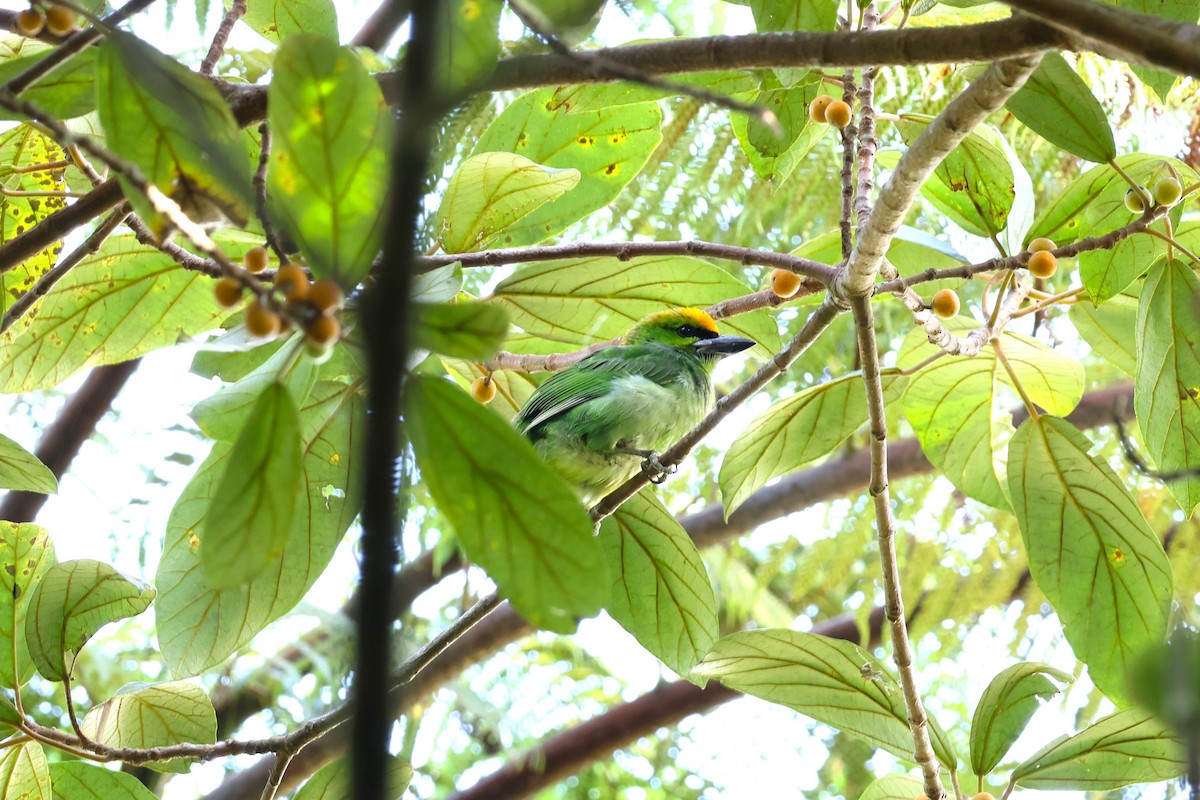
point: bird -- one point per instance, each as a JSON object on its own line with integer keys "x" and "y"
{"x": 599, "y": 421}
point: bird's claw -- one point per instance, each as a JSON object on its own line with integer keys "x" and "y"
{"x": 661, "y": 471}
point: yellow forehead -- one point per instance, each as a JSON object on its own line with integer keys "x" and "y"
{"x": 691, "y": 315}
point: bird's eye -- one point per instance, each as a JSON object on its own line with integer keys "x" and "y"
{"x": 688, "y": 331}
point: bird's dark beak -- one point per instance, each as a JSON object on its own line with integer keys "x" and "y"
{"x": 722, "y": 345}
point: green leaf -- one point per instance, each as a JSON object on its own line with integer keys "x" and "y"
{"x": 1166, "y": 681}
{"x": 490, "y": 192}
{"x": 23, "y": 146}
{"x": 660, "y": 592}
{"x": 1007, "y": 705}
{"x": 893, "y": 787}
{"x": 8, "y": 713}
{"x": 21, "y": 470}
{"x": 592, "y": 96}
{"x": 250, "y": 516}
{"x": 774, "y": 163}
{"x": 609, "y": 147}
{"x": 973, "y": 186}
{"x": 1110, "y": 330}
{"x": 1167, "y": 378}
{"x": 79, "y": 780}
{"x": 1160, "y": 80}
{"x": 144, "y": 715}
{"x": 831, "y": 680}
{"x": 960, "y": 415}
{"x": 67, "y": 92}
{"x": 1063, "y": 218}
{"x": 224, "y": 415}
{"x": 198, "y": 625}
{"x": 592, "y": 299}
{"x": 513, "y": 515}
{"x": 1126, "y": 747}
{"x": 24, "y": 773}
{"x": 331, "y": 144}
{"x": 115, "y": 305}
{"x": 26, "y": 552}
{"x": 332, "y": 781}
{"x": 910, "y": 251}
{"x": 792, "y": 432}
{"x": 469, "y": 43}
{"x": 794, "y": 15}
{"x": 1056, "y": 104}
{"x": 72, "y": 601}
{"x": 1090, "y": 551}
{"x": 460, "y": 330}
{"x": 278, "y": 19}
{"x": 174, "y": 124}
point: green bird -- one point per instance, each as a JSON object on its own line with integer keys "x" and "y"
{"x": 599, "y": 420}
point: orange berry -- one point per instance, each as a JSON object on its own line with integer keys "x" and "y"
{"x": 785, "y": 283}
{"x": 60, "y": 20}
{"x": 817, "y": 108}
{"x": 1041, "y": 243}
{"x": 946, "y": 304}
{"x": 292, "y": 281}
{"x": 483, "y": 389}
{"x": 324, "y": 329}
{"x": 228, "y": 292}
{"x": 984, "y": 796}
{"x": 256, "y": 259}
{"x": 326, "y": 295}
{"x": 838, "y": 114}
{"x": 260, "y": 320}
{"x": 30, "y": 22}
{"x": 1042, "y": 264}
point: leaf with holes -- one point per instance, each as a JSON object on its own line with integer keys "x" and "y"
{"x": 514, "y": 516}
{"x": 329, "y": 159}
{"x": 1091, "y": 552}
{"x": 1007, "y": 705}
{"x": 72, "y": 601}
{"x": 660, "y": 591}
{"x": 21, "y": 470}
{"x": 26, "y": 552}
{"x": 489, "y": 193}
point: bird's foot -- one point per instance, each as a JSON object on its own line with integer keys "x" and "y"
{"x": 661, "y": 471}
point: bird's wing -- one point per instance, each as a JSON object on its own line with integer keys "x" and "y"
{"x": 592, "y": 378}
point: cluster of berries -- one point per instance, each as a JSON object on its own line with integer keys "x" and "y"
{"x": 58, "y": 20}
{"x": 824, "y": 108}
{"x": 1167, "y": 192}
{"x": 313, "y": 305}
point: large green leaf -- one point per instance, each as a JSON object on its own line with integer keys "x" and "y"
{"x": 794, "y": 15}
{"x": 513, "y": 515}
{"x": 71, "y": 601}
{"x": 79, "y": 780}
{"x": 153, "y": 715}
{"x": 67, "y": 92}
{"x": 1062, "y": 219}
{"x": 490, "y": 192}
{"x": 461, "y": 330}
{"x": 1167, "y": 378}
{"x": 21, "y": 470}
{"x": 1160, "y": 80}
{"x": 278, "y": 19}
{"x": 224, "y": 415}
{"x": 609, "y": 146}
{"x": 793, "y": 431}
{"x": 250, "y": 515}
{"x": 1057, "y": 104}
{"x": 26, "y": 552}
{"x": 660, "y": 591}
{"x": 831, "y": 680}
{"x": 118, "y": 304}
{"x": 1110, "y": 330}
{"x": 331, "y": 143}
{"x": 332, "y": 781}
{"x": 591, "y": 299}
{"x": 893, "y": 787}
{"x": 961, "y": 417}
{"x": 1090, "y": 551}
{"x": 773, "y": 156}
{"x": 24, "y": 773}
{"x": 1007, "y": 705}
{"x": 173, "y": 124}
{"x": 199, "y": 626}
{"x": 468, "y": 43}
{"x": 1127, "y": 747}
{"x": 591, "y": 96}
{"x": 24, "y": 146}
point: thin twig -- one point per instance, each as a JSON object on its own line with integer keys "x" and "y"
{"x": 217, "y": 48}
{"x": 260, "y": 194}
{"x": 282, "y": 760}
{"x": 849, "y": 141}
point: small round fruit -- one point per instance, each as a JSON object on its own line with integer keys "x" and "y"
{"x": 292, "y": 281}
{"x": 60, "y": 20}
{"x": 261, "y": 321}
{"x": 324, "y": 330}
{"x": 838, "y": 114}
{"x": 1135, "y": 199}
{"x": 30, "y": 22}
{"x": 318, "y": 352}
{"x": 946, "y": 304}
{"x": 1042, "y": 264}
{"x": 785, "y": 283}
{"x": 326, "y": 295}
{"x": 256, "y": 259}
{"x": 228, "y": 292}
{"x": 818, "y": 107}
{"x": 984, "y": 796}
{"x": 483, "y": 389}
{"x": 1167, "y": 191}
{"x": 1040, "y": 244}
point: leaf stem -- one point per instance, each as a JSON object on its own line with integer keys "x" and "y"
{"x": 1029, "y": 406}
